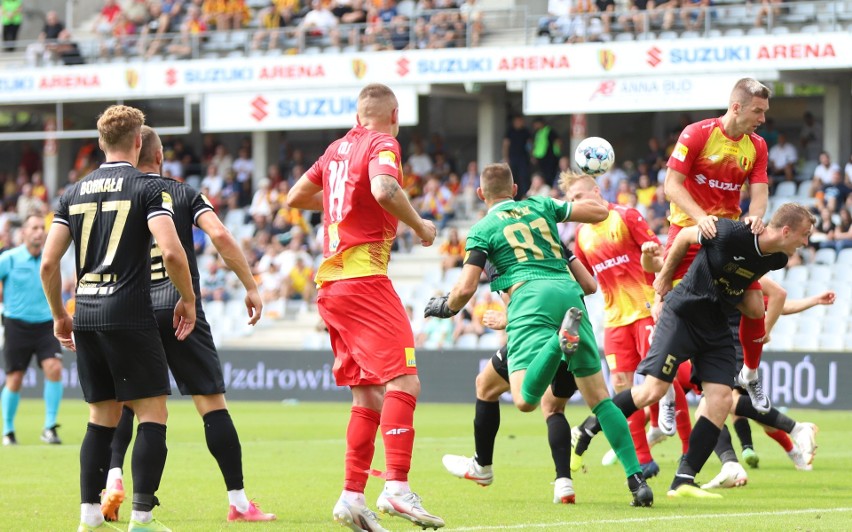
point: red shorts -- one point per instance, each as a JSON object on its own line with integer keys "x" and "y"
{"x": 625, "y": 346}
{"x": 370, "y": 332}
{"x": 680, "y": 271}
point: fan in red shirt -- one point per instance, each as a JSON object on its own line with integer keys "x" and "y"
{"x": 356, "y": 183}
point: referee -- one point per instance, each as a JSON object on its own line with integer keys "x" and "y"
{"x": 28, "y": 331}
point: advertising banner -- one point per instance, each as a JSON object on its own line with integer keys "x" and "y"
{"x": 293, "y": 110}
{"x": 792, "y": 379}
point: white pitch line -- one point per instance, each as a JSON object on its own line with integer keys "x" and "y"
{"x": 661, "y": 518}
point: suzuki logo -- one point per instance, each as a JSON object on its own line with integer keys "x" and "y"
{"x": 402, "y": 67}
{"x": 259, "y": 108}
{"x": 171, "y": 77}
{"x": 655, "y": 57}
{"x": 700, "y": 179}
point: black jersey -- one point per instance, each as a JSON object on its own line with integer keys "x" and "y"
{"x": 107, "y": 213}
{"x": 723, "y": 269}
{"x": 188, "y": 204}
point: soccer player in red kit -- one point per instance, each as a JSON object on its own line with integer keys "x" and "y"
{"x": 612, "y": 250}
{"x": 356, "y": 183}
{"x": 711, "y": 162}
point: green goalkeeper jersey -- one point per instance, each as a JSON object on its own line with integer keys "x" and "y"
{"x": 521, "y": 240}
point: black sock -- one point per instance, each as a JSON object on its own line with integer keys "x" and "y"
{"x": 486, "y": 423}
{"x": 148, "y": 460}
{"x": 121, "y": 440}
{"x": 559, "y": 438}
{"x": 743, "y": 428}
{"x": 624, "y": 401}
{"x": 724, "y": 447}
{"x": 701, "y": 442}
{"x": 94, "y": 462}
{"x": 773, "y": 418}
{"x": 224, "y": 445}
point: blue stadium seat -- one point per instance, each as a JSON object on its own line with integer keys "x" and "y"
{"x": 785, "y": 189}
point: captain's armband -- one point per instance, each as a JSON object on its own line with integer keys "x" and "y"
{"x": 476, "y": 257}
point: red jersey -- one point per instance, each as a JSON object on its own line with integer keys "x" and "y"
{"x": 716, "y": 167}
{"x": 358, "y": 231}
{"x": 612, "y": 250}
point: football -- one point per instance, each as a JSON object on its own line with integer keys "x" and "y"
{"x": 594, "y": 156}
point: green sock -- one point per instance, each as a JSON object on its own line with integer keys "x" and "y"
{"x": 541, "y": 371}
{"x": 618, "y": 434}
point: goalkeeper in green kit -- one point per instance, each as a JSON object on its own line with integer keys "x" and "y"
{"x": 520, "y": 240}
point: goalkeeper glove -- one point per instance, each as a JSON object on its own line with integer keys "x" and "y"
{"x": 439, "y": 308}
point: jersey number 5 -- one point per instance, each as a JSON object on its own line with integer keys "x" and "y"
{"x": 90, "y": 212}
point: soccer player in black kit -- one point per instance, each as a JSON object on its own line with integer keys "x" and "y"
{"x": 694, "y": 323}
{"x": 111, "y": 216}
{"x": 194, "y": 362}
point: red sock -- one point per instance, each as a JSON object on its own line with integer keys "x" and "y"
{"x": 360, "y": 446}
{"x": 636, "y": 422}
{"x": 654, "y": 414}
{"x": 750, "y": 330}
{"x": 782, "y": 438}
{"x": 398, "y": 433}
{"x": 684, "y": 424}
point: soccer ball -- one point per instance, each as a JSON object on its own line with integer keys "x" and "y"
{"x": 594, "y": 156}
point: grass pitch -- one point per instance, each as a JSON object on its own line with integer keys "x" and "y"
{"x": 293, "y": 465}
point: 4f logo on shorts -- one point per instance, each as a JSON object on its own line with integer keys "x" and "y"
{"x": 410, "y": 361}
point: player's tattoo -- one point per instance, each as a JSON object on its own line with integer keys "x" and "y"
{"x": 389, "y": 186}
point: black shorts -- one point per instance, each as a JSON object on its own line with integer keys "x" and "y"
{"x": 123, "y": 365}
{"x": 563, "y": 384}
{"x": 194, "y": 362}
{"x": 24, "y": 339}
{"x": 704, "y": 339}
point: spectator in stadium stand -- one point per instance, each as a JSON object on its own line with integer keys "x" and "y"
{"x": 656, "y": 157}
{"x": 658, "y": 213}
{"x": 271, "y": 20}
{"x": 693, "y": 12}
{"x": 822, "y": 173}
{"x": 421, "y": 163}
{"x": 538, "y": 186}
{"x": 400, "y": 37}
{"x": 769, "y": 9}
{"x": 12, "y": 16}
{"x": 28, "y": 203}
{"x": 437, "y": 203}
{"x": 122, "y": 39}
{"x": 471, "y": 15}
{"x": 452, "y": 251}
{"x": 151, "y": 31}
{"x": 810, "y": 137}
{"x": 192, "y": 29}
{"x": 516, "y": 152}
{"x": 841, "y": 237}
{"x": 106, "y": 18}
{"x": 319, "y": 25}
{"x": 213, "y": 181}
{"x": 635, "y": 15}
{"x": 546, "y": 150}
{"x": 555, "y": 10}
{"x": 39, "y": 51}
{"x": 782, "y": 161}
{"x": 837, "y": 192}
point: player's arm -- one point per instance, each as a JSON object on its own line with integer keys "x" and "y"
{"x": 234, "y": 258}
{"x": 305, "y": 194}
{"x": 585, "y": 279}
{"x": 676, "y": 191}
{"x": 792, "y": 306}
{"x": 776, "y": 300}
{"x": 685, "y": 238}
{"x": 652, "y": 256}
{"x": 759, "y": 193}
{"x": 58, "y": 240}
{"x": 587, "y": 211}
{"x": 174, "y": 259}
{"x": 450, "y": 304}
{"x": 390, "y": 196}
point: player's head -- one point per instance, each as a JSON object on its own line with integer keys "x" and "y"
{"x": 32, "y": 233}
{"x": 378, "y": 109}
{"x": 119, "y": 130}
{"x": 151, "y": 155}
{"x": 748, "y": 105}
{"x": 579, "y": 186}
{"x": 792, "y": 224}
{"x": 496, "y": 183}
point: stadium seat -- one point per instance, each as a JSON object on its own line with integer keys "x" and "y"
{"x": 785, "y": 189}
{"x": 777, "y": 275}
{"x": 542, "y": 40}
{"x": 845, "y": 257}
{"x": 831, "y": 342}
{"x": 806, "y": 342}
{"x": 806, "y": 173}
{"x": 820, "y": 272}
{"x": 689, "y": 34}
{"x": 624, "y": 37}
{"x": 810, "y": 28}
{"x": 834, "y": 323}
{"x": 847, "y": 342}
{"x": 842, "y": 273}
{"x": 734, "y": 32}
{"x": 757, "y": 31}
{"x": 489, "y": 341}
{"x": 804, "y": 189}
{"x": 796, "y": 274}
{"x": 466, "y": 341}
{"x": 785, "y": 326}
{"x": 825, "y": 256}
{"x": 780, "y": 343}
{"x": 735, "y": 15}
{"x": 816, "y": 312}
{"x": 800, "y": 12}
{"x": 808, "y": 325}
{"x": 714, "y": 33}
{"x": 668, "y": 35}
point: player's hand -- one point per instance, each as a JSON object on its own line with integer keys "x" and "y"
{"x": 254, "y": 306}
{"x": 707, "y": 226}
{"x": 826, "y": 298}
{"x": 662, "y": 285}
{"x": 439, "y": 308}
{"x": 755, "y": 223}
{"x": 63, "y": 331}
{"x": 184, "y": 319}
{"x": 427, "y": 233}
{"x": 764, "y": 339}
{"x": 654, "y": 249}
{"x": 494, "y": 319}
{"x": 656, "y": 309}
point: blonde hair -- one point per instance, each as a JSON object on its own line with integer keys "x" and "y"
{"x": 746, "y": 89}
{"x": 150, "y": 146}
{"x": 376, "y": 102}
{"x": 496, "y": 181}
{"x": 791, "y": 215}
{"x": 568, "y": 179}
{"x": 118, "y": 126}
